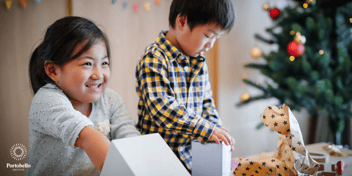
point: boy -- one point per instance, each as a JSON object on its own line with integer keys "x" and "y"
{"x": 175, "y": 97}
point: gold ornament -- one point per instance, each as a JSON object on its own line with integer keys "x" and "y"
{"x": 292, "y": 58}
{"x": 266, "y": 6}
{"x": 298, "y": 37}
{"x": 245, "y": 96}
{"x": 305, "y": 5}
{"x": 256, "y": 52}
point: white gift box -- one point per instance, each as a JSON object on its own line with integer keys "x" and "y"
{"x": 146, "y": 155}
{"x": 211, "y": 159}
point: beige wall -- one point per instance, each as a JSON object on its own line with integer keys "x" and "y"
{"x": 20, "y": 30}
{"x": 129, "y": 33}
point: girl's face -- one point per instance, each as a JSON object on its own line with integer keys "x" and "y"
{"x": 85, "y": 78}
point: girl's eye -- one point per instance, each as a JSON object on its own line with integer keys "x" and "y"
{"x": 88, "y": 64}
{"x": 207, "y": 36}
{"x": 105, "y": 63}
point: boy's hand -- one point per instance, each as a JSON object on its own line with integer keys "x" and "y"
{"x": 222, "y": 134}
{"x": 232, "y": 139}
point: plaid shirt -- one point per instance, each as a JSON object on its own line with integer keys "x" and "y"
{"x": 175, "y": 98}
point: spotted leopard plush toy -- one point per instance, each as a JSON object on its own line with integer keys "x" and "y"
{"x": 290, "y": 156}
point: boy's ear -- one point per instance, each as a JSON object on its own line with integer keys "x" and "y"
{"x": 52, "y": 70}
{"x": 181, "y": 22}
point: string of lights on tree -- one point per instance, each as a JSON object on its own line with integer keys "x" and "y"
{"x": 124, "y": 4}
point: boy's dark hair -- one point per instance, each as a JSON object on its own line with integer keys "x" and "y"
{"x": 58, "y": 45}
{"x": 201, "y": 12}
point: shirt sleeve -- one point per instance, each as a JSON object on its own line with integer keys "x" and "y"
{"x": 160, "y": 101}
{"x": 209, "y": 110}
{"x": 52, "y": 114}
{"x": 121, "y": 123}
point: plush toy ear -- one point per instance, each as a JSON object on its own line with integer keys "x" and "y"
{"x": 52, "y": 70}
{"x": 277, "y": 119}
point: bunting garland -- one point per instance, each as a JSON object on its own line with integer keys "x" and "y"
{"x": 135, "y": 6}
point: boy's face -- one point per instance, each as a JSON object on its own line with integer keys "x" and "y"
{"x": 199, "y": 40}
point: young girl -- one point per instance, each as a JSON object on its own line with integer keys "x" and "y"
{"x": 73, "y": 116}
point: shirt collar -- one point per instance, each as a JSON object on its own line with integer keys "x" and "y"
{"x": 171, "y": 50}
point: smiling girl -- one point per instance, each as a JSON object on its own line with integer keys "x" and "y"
{"x": 73, "y": 116}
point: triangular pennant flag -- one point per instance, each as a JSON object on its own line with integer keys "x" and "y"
{"x": 23, "y": 3}
{"x": 124, "y": 5}
{"x": 157, "y": 2}
{"x": 147, "y": 6}
{"x": 135, "y": 7}
{"x": 8, "y": 4}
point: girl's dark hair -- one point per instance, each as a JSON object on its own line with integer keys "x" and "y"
{"x": 58, "y": 45}
{"x": 201, "y": 12}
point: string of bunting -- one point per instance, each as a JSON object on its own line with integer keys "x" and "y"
{"x": 22, "y": 3}
{"x": 135, "y": 6}
{"x": 125, "y": 4}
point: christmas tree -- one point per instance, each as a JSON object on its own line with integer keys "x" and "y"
{"x": 312, "y": 67}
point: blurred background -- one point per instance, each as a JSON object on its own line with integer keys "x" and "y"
{"x": 131, "y": 25}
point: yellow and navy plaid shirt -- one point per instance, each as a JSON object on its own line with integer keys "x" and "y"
{"x": 175, "y": 97}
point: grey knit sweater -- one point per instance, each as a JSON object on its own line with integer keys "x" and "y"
{"x": 55, "y": 125}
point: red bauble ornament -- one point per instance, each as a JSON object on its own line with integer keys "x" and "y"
{"x": 295, "y": 49}
{"x": 274, "y": 13}
{"x": 340, "y": 166}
